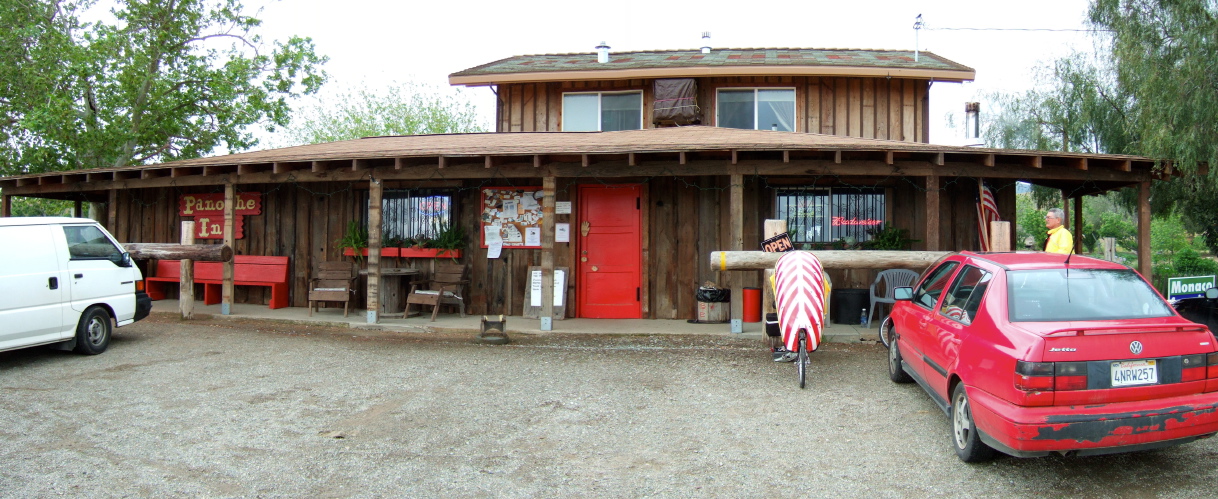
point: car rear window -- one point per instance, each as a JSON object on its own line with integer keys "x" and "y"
{"x": 1081, "y": 295}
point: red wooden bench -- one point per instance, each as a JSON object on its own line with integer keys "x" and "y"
{"x": 269, "y": 271}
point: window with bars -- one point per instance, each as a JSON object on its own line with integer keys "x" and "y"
{"x": 407, "y": 214}
{"x": 827, "y": 215}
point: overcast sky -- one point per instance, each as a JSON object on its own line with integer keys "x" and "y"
{"x": 374, "y": 42}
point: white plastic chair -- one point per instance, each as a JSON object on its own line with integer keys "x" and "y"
{"x": 892, "y": 279}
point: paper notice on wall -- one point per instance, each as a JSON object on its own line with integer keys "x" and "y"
{"x": 535, "y": 289}
{"x": 562, "y": 233}
{"x": 493, "y": 250}
{"x": 559, "y": 286}
{"x": 532, "y": 236}
{"x": 529, "y": 203}
{"x": 491, "y": 235}
{"x": 562, "y": 208}
{"x": 511, "y": 208}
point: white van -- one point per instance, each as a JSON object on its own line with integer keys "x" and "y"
{"x": 62, "y": 281}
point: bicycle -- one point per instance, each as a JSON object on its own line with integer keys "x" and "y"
{"x": 801, "y": 360}
{"x": 885, "y": 331}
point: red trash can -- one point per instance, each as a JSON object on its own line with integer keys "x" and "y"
{"x": 752, "y": 304}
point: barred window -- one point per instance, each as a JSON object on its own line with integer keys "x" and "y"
{"x": 406, "y": 214}
{"x": 826, "y": 215}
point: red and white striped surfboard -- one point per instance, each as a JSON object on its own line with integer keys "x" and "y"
{"x": 799, "y": 294}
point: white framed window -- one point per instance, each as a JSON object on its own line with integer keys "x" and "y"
{"x": 756, "y": 108}
{"x": 602, "y": 111}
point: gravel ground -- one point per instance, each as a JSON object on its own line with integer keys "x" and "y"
{"x": 225, "y": 408}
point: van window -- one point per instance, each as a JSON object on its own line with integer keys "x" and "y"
{"x": 87, "y": 242}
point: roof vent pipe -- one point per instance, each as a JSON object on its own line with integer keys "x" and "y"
{"x": 706, "y": 42}
{"x": 972, "y": 124}
{"x": 602, "y": 53}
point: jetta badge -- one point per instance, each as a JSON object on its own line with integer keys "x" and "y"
{"x": 1135, "y": 347}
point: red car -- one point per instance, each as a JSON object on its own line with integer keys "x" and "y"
{"x": 1033, "y": 353}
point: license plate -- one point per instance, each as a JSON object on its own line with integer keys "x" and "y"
{"x": 1134, "y": 372}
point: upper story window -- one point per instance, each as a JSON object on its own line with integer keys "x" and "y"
{"x": 602, "y": 111}
{"x": 757, "y": 109}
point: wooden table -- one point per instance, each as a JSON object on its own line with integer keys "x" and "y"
{"x": 393, "y": 292}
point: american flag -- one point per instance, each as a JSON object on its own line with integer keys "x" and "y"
{"x": 987, "y": 211}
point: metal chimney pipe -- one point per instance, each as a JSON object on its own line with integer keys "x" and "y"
{"x": 602, "y": 53}
{"x": 706, "y": 42}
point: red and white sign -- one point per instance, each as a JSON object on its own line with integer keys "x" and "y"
{"x": 212, "y": 227}
{"x": 193, "y": 205}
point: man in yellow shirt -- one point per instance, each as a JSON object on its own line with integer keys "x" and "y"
{"x": 1060, "y": 240}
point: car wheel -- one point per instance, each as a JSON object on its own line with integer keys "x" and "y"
{"x": 966, "y": 441}
{"x": 895, "y": 372}
{"x": 93, "y": 332}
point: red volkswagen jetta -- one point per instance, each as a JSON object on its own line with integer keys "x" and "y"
{"x": 1032, "y": 353}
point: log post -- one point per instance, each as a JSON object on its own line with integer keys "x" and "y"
{"x": 112, "y": 215}
{"x": 186, "y": 297}
{"x": 77, "y": 209}
{"x": 1000, "y": 236}
{"x": 932, "y": 213}
{"x": 7, "y": 209}
{"x": 771, "y": 228}
{"x": 1109, "y": 244}
{"x": 736, "y": 243}
{"x": 1144, "y": 263}
{"x": 547, "y": 253}
{"x": 375, "y": 195}
{"x": 226, "y": 303}
{"x": 1078, "y": 225}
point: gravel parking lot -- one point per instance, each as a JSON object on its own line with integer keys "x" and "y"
{"x": 221, "y": 407}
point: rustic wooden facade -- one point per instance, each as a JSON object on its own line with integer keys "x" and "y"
{"x": 702, "y": 188}
{"x": 873, "y": 108}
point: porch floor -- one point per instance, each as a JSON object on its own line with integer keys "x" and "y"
{"x": 453, "y": 323}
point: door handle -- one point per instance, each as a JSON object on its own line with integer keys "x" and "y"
{"x": 53, "y": 283}
{"x": 78, "y": 276}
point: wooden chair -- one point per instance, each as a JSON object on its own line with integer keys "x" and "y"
{"x": 444, "y": 288}
{"x": 334, "y": 281}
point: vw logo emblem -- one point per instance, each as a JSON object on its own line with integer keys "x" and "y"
{"x": 1135, "y": 347}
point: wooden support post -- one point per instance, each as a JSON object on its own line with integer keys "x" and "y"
{"x": 548, "y": 185}
{"x": 1109, "y": 244}
{"x": 7, "y": 209}
{"x": 375, "y": 195}
{"x": 186, "y": 297}
{"x": 1144, "y": 263}
{"x": 226, "y": 299}
{"x": 112, "y": 216}
{"x": 772, "y": 228}
{"x": 1078, "y": 225}
{"x": 736, "y": 243}
{"x": 1000, "y": 236}
{"x": 932, "y": 213}
{"x": 76, "y": 209}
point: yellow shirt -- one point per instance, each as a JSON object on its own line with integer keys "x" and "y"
{"x": 1060, "y": 241}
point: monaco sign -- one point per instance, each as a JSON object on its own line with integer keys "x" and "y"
{"x": 1188, "y": 287}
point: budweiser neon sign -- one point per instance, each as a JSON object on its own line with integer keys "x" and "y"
{"x": 841, "y": 221}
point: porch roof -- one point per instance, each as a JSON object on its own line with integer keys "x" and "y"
{"x": 718, "y": 62}
{"x": 693, "y": 150}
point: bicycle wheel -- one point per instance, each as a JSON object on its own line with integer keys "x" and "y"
{"x": 886, "y": 330}
{"x": 801, "y": 362}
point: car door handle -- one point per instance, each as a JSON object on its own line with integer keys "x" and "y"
{"x": 78, "y": 276}
{"x": 53, "y": 283}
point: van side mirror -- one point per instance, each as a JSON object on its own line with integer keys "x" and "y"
{"x": 903, "y": 293}
{"x": 123, "y": 260}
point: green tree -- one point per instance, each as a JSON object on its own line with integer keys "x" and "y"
{"x": 405, "y": 109}
{"x": 155, "y": 80}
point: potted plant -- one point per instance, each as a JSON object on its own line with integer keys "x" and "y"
{"x": 354, "y": 242}
{"x": 446, "y": 243}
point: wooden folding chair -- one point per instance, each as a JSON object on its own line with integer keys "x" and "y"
{"x": 444, "y": 288}
{"x": 333, "y": 281}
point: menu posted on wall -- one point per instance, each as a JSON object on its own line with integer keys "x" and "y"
{"x": 511, "y": 216}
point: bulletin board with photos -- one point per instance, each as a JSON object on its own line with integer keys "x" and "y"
{"x": 513, "y": 214}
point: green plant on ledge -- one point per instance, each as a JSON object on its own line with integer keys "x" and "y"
{"x": 888, "y": 238}
{"x": 355, "y": 238}
{"x": 448, "y": 237}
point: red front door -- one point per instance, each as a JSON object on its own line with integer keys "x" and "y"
{"x": 610, "y": 252}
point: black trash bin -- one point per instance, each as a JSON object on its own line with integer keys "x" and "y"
{"x": 846, "y": 305}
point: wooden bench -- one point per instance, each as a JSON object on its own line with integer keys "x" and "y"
{"x": 269, "y": 271}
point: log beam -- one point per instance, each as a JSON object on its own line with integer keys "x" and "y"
{"x": 830, "y": 259}
{"x": 166, "y": 251}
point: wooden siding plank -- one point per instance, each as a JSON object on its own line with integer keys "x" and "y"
{"x": 881, "y": 107}
{"x": 826, "y": 105}
{"x": 528, "y": 107}
{"x": 868, "y": 116}
{"x": 516, "y": 103}
{"x": 908, "y": 112}
{"x": 841, "y": 106}
{"x": 854, "y": 106}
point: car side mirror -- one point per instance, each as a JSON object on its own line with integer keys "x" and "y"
{"x": 124, "y": 260}
{"x": 1211, "y": 293}
{"x": 903, "y": 293}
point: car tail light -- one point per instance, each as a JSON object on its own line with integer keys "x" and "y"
{"x": 1211, "y": 362}
{"x": 1193, "y": 367}
{"x": 1033, "y": 376}
{"x": 1070, "y": 376}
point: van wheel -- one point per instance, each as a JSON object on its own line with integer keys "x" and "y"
{"x": 93, "y": 332}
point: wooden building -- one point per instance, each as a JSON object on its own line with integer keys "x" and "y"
{"x": 656, "y": 178}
